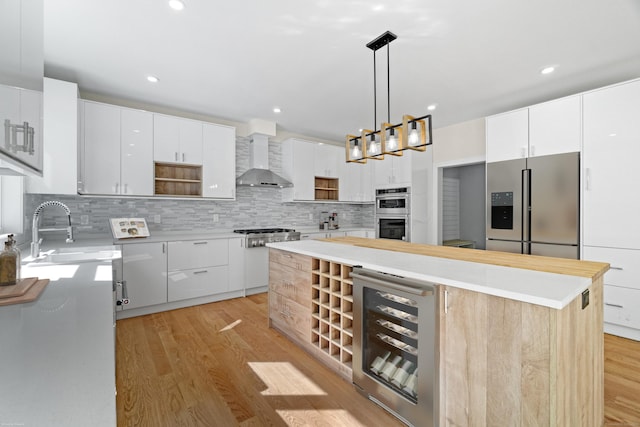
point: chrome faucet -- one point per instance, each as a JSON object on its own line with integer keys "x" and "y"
{"x": 35, "y": 228}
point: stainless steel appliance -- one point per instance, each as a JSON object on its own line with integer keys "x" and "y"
{"x": 256, "y": 254}
{"x": 393, "y": 213}
{"x": 533, "y": 205}
{"x": 394, "y": 345}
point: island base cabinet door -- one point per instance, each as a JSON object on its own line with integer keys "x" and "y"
{"x": 198, "y": 282}
{"x": 144, "y": 269}
{"x": 289, "y": 317}
{"x": 505, "y": 362}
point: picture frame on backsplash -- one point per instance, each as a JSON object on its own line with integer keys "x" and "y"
{"x": 128, "y": 228}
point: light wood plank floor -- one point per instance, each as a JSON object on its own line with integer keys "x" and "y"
{"x": 220, "y": 365}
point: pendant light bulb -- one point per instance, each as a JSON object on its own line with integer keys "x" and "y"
{"x": 392, "y": 143}
{"x": 356, "y": 153}
{"x": 414, "y": 136}
{"x": 373, "y": 146}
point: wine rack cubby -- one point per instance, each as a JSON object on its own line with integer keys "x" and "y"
{"x": 332, "y": 310}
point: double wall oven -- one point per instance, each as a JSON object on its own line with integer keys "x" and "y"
{"x": 393, "y": 213}
{"x": 394, "y": 344}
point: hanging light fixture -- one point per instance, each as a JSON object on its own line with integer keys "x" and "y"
{"x": 413, "y": 133}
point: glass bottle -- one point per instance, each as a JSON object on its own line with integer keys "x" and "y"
{"x": 8, "y": 266}
{"x": 14, "y": 248}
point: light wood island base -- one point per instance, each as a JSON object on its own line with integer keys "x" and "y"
{"x": 501, "y": 361}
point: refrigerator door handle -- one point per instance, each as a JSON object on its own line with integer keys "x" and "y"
{"x": 526, "y": 210}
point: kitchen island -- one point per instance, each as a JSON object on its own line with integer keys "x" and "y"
{"x": 519, "y": 338}
{"x": 58, "y": 352}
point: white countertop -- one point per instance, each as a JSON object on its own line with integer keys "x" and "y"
{"x": 57, "y": 353}
{"x": 545, "y": 289}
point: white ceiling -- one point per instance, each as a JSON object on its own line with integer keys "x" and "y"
{"x": 237, "y": 59}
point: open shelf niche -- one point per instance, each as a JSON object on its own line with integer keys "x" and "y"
{"x": 175, "y": 179}
{"x": 326, "y": 188}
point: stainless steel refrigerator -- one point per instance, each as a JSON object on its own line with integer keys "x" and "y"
{"x": 533, "y": 205}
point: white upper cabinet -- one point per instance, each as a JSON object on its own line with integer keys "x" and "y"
{"x": 136, "y": 146}
{"x": 100, "y": 136}
{"x": 392, "y": 170}
{"x": 117, "y": 150}
{"x": 555, "y": 127}
{"x": 508, "y": 136}
{"x": 59, "y": 172}
{"x": 327, "y": 160}
{"x": 552, "y": 127}
{"x": 219, "y": 161}
{"x": 20, "y": 108}
{"x": 298, "y": 166}
{"x": 177, "y": 140}
{"x": 21, "y": 73}
{"x": 611, "y": 150}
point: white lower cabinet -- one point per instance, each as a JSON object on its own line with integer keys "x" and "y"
{"x": 198, "y": 282}
{"x": 197, "y": 268}
{"x": 158, "y": 274}
{"x": 236, "y": 264}
{"x": 144, "y": 269}
{"x": 621, "y": 289}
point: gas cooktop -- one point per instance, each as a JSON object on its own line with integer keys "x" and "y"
{"x": 263, "y": 230}
{"x": 259, "y": 237}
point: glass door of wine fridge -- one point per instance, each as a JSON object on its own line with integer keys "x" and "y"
{"x": 394, "y": 344}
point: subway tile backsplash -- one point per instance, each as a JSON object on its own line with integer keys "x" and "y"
{"x": 253, "y": 207}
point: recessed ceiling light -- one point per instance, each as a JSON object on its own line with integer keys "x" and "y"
{"x": 176, "y": 4}
{"x": 153, "y": 79}
{"x": 277, "y": 110}
{"x": 547, "y": 70}
{"x": 613, "y": 134}
{"x": 432, "y": 107}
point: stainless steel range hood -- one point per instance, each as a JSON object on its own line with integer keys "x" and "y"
{"x": 259, "y": 174}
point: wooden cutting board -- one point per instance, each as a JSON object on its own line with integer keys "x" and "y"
{"x": 26, "y": 290}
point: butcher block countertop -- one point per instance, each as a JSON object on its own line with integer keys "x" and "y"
{"x": 572, "y": 267}
{"x": 549, "y": 282}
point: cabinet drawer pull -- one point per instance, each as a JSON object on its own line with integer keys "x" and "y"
{"x": 613, "y": 305}
{"x": 200, "y": 243}
{"x": 200, "y": 272}
{"x": 616, "y": 268}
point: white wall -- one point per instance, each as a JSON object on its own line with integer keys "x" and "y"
{"x": 457, "y": 145}
{"x": 458, "y": 142}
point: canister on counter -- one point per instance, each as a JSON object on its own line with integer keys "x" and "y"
{"x": 9, "y": 265}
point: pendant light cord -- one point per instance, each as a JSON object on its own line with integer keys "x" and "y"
{"x": 388, "y": 88}
{"x": 375, "y": 95}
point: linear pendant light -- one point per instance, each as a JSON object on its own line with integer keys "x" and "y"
{"x": 413, "y": 133}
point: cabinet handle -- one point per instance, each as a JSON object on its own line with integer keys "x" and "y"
{"x": 532, "y": 151}
{"x": 446, "y": 302}
{"x": 117, "y": 187}
{"x": 126, "y": 189}
{"x": 176, "y": 156}
{"x": 163, "y": 250}
{"x": 616, "y": 268}
{"x": 200, "y": 243}
{"x": 523, "y": 152}
{"x": 613, "y": 305}
{"x": 587, "y": 179}
{"x": 200, "y": 272}
{"x": 182, "y": 157}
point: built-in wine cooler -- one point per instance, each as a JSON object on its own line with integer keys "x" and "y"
{"x": 394, "y": 360}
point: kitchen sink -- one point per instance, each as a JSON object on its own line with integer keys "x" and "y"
{"x": 76, "y": 254}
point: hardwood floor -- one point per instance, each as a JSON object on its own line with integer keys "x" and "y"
{"x": 621, "y": 381}
{"x": 220, "y": 365}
